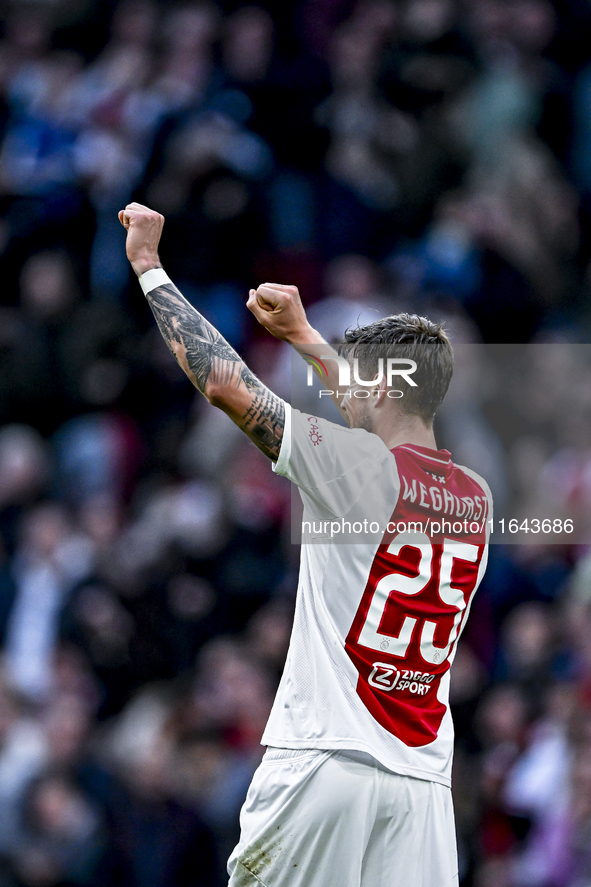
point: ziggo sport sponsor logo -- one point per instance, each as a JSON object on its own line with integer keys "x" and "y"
{"x": 387, "y": 678}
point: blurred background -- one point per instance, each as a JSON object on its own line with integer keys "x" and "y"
{"x": 425, "y": 155}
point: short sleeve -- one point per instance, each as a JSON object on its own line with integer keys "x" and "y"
{"x": 332, "y": 464}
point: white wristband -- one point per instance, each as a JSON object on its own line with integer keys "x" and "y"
{"x": 149, "y": 280}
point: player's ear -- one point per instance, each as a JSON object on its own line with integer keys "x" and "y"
{"x": 380, "y": 390}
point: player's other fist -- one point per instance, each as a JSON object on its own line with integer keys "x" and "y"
{"x": 144, "y": 227}
{"x": 279, "y": 309}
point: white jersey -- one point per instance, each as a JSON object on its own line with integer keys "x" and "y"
{"x": 377, "y": 621}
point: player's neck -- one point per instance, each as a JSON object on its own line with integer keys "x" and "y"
{"x": 411, "y": 431}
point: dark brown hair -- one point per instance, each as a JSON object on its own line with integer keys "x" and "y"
{"x": 411, "y": 337}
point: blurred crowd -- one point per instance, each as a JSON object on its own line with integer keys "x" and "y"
{"x": 384, "y": 155}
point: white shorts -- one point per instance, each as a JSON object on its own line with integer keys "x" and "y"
{"x": 339, "y": 819}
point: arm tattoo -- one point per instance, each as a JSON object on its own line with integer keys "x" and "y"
{"x": 265, "y": 419}
{"x": 208, "y": 360}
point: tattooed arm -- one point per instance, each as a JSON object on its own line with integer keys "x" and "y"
{"x": 216, "y": 370}
{"x": 209, "y": 361}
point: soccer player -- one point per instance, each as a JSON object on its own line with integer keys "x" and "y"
{"x": 354, "y": 788}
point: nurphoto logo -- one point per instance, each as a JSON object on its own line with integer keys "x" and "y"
{"x": 395, "y": 366}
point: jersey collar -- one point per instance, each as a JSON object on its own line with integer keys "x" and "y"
{"x": 439, "y": 457}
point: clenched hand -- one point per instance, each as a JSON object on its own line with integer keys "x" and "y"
{"x": 144, "y": 227}
{"x": 279, "y": 309}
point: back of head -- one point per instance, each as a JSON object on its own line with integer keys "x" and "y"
{"x": 405, "y": 337}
